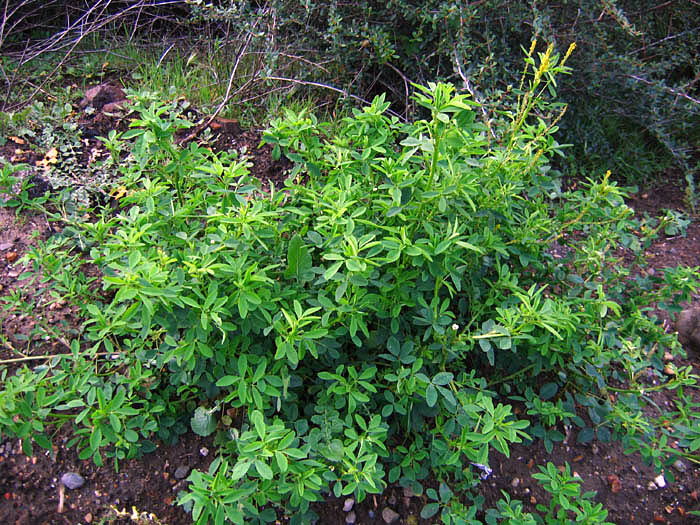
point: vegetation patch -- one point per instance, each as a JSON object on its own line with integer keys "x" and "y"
{"x": 416, "y": 298}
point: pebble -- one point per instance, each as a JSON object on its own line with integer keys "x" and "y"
{"x": 680, "y": 466}
{"x": 515, "y": 482}
{"x": 351, "y": 518}
{"x": 660, "y": 481}
{"x": 204, "y": 451}
{"x": 370, "y": 513}
{"x": 408, "y": 492}
{"x": 652, "y": 486}
{"x": 88, "y": 518}
{"x": 595, "y": 449}
{"x": 347, "y": 506}
{"x": 5, "y": 246}
{"x": 181, "y": 471}
{"x": 389, "y": 516}
{"x": 72, "y": 480}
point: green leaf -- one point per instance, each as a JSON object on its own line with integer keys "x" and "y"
{"x": 281, "y": 460}
{"x": 226, "y": 381}
{"x": 96, "y": 439}
{"x": 263, "y": 469}
{"x": 258, "y": 421}
{"x": 548, "y": 391}
{"x": 332, "y": 270}
{"x": 202, "y": 422}
{"x": 442, "y": 378}
{"x": 240, "y": 469}
{"x": 585, "y": 436}
{"x": 431, "y": 395}
{"x": 429, "y": 510}
{"x": 299, "y": 260}
{"x": 43, "y": 441}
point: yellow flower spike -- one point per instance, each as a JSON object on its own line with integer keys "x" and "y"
{"x": 532, "y": 47}
{"x": 545, "y": 63}
{"x": 572, "y": 46}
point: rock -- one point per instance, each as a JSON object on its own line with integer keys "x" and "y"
{"x": 113, "y": 107}
{"x": 390, "y": 516}
{"x": 72, "y": 480}
{"x": 408, "y": 492}
{"x": 652, "y": 486}
{"x": 204, "y": 451}
{"x": 515, "y": 483}
{"x": 347, "y": 506}
{"x": 370, "y": 513}
{"x": 668, "y": 357}
{"x": 5, "y": 246}
{"x": 101, "y": 95}
{"x": 615, "y": 483}
{"x": 181, "y": 471}
{"x": 88, "y": 518}
{"x": 688, "y": 326}
{"x": 680, "y": 466}
{"x": 224, "y": 125}
{"x": 351, "y": 518}
{"x": 660, "y": 481}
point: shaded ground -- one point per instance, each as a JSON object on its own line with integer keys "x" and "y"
{"x": 30, "y": 491}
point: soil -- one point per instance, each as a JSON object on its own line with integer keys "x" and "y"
{"x": 30, "y": 489}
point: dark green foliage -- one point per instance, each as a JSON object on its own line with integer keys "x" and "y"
{"x": 634, "y": 103}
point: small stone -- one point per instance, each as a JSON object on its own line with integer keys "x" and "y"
{"x": 669, "y": 371}
{"x": 668, "y": 357}
{"x": 347, "y": 506}
{"x": 370, "y": 513}
{"x": 615, "y": 483}
{"x": 351, "y": 518}
{"x": 5, "y": 246}
{"x": 652, "y": 486}
{"x": 660, "y": 481}
{"x": 72, "y": 480}
{"x": 515, "y": 483}
{"x": 389, "y": 516}
{"x": 88, "y": 518}
{"x": 408, "y": 492}
{"x": 204, "y": 451}
{"x": 688, "y": 326}
{"x": 181, "y": 471}
{"x": 595, "y": 449}
{"x": 680, "y": 466}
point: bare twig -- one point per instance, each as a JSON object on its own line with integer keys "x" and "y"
{"x": 666, "y": 89}
{"x": 406, "y": 83}
{"x": 61, "y": 497}
{"x": 227, "y": 96}
{"x": 468, "y": 87}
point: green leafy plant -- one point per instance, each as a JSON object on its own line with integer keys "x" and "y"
{"x": 361, "y": 325}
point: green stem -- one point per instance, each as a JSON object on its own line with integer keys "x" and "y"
{"x": 41, "y": 357}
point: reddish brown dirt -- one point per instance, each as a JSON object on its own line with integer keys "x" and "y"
{"x": 30, "y": 487}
